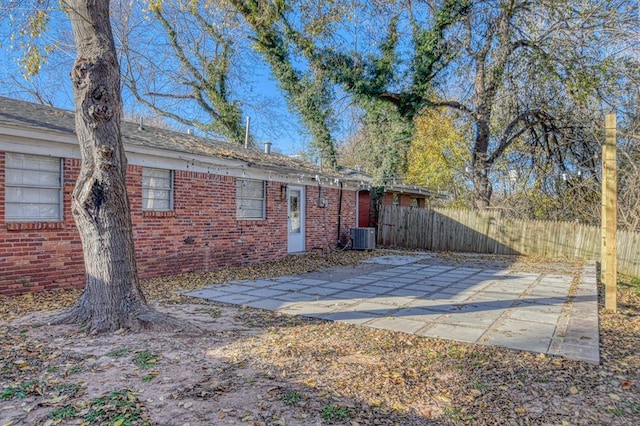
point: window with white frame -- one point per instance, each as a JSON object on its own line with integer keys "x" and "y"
{"x": 33, "y": 188}
{"x": 157, "y": 189}
{"x": 250, "y": 199}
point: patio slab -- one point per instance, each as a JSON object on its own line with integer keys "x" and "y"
{"x": 544, "y": 312}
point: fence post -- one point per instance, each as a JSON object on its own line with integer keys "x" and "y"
{"x": 608, "y": 264}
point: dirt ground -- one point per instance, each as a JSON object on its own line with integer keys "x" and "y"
{"x": 251, "y": 367}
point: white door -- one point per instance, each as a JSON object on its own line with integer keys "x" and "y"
{"x": 295, "y": 210}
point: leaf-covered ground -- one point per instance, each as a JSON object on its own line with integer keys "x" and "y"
{"x": 251, "y": 367}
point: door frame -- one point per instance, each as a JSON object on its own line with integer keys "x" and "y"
{"x": 296, "y": 243}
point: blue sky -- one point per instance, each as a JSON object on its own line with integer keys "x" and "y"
{"x": 271, "y": 122}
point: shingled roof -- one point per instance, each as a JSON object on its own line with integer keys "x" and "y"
{"x": 25, "y": 115}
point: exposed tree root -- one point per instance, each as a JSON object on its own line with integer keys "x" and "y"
{"x": 144, "y": 319}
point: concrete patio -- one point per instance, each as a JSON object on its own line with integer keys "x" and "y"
{"x": 532, "y": 311}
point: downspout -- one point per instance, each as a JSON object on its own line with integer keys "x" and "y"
{"x": 339, "y": 214}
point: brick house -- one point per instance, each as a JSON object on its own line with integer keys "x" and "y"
{"x": 196, "y": 204}
{"x": 394, "y": 194}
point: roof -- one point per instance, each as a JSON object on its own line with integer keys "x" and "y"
{"x": 25, "y": 115}
{"x": 392, "y": 187}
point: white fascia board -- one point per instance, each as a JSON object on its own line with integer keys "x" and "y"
{"x": 11, "y": 132}
{"x": 38, "y": 143}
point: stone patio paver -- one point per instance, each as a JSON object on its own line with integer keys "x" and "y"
{"x": 524, "y": 311}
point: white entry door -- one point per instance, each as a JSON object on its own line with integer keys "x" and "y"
{"x": 295, "y": 210}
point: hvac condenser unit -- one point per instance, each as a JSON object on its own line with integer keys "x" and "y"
{"x": 363, "y": 238}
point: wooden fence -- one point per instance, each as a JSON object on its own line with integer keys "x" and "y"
{"x": 478, "y": 232}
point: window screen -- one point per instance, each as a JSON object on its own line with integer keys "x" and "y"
{"x": 33, "y": 188}
{"x": 250, "y": 199}
{"x": 157, "y": 189}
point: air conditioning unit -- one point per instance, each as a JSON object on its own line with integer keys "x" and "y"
{"x": 363, "y": 238}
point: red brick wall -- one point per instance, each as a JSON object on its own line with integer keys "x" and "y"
{"x": 322, "y": 222}
{"x": 404, "y": 199}
{"x": 38, "y": 256}
{"x": 364, "y": 205}
{"x": 387, "y": 199}
{"x": 200, "y": 234}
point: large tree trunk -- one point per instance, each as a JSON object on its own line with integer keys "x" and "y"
{"x": 481, "y": 183}
{"x": 112, "y": 298}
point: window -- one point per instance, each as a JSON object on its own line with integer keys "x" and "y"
{"x": 33, "y": 188}
{"x": 250, "y": 199}
{"x": 157, "y": 189}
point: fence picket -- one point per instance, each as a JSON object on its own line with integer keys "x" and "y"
{"x": 482, "y": 232}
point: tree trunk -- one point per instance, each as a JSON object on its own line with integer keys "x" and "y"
{"x": 481, "y": 183}
{"x": 112, "y": 298}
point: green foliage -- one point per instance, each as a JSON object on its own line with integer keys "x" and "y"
{"x": 616, "y": 411}
{"x": 456, "y": 414}
{"x": 62, "y": 413}
{"x": 148, "y": 377}
{"x": 370, "y": 79}
{"x": 75, "y": 369}
{"x": 7, "y": 393}
{"x": 290, "y": 397}
{"x": 632, "y": 283}
{"x": 307, "y": 92}
{"x": 31, "y": 25}
{"x": 117, "y": 353}
{"x": 373, "y": 80}
{"x": 334, "y": 413}
{"x": 479, "y": 386}
{"x": 387, "y": 137}
{"x": 457, "y": 352}
{"x": 68, "y": 388}
{"x": 22, "y": 390}
{"x": 120, "y": 407}
{"x": 373, "y": 77}
{"x": 432, "y": 53}
{"x": 145, "y": 359}
{"x": 438, "y": 153}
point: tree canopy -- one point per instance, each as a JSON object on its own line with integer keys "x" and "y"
{"x": 525, "y": 82}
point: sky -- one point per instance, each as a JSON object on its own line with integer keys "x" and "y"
{"x": 270, "y": 118}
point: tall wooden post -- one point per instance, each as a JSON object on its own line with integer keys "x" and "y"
{"x": 608, "y": 262}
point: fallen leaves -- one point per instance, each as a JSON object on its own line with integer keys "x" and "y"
{"x": 289, "y": 370}
{"x": 366, "y": 360}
